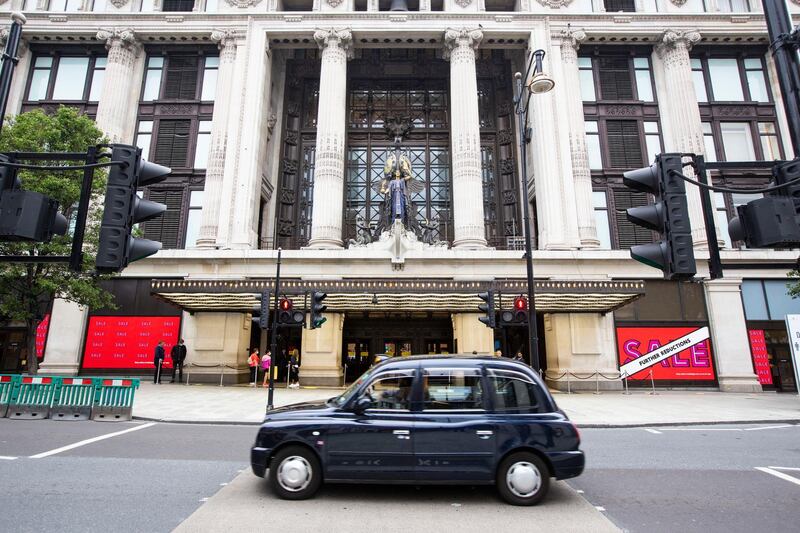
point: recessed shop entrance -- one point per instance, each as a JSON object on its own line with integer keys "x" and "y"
{"x": 367, "y": 335}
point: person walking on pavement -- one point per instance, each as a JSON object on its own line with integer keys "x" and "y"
{"x": 266, "y": 366}
{"x": 519, "y": 357}
{"x": 294, "y": 371}
{"x": 158, "y": 361}
{"x": 252, "y": 362}
{"x": 178, "y": 354}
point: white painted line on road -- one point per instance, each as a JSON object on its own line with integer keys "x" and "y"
{"x": 90, "y": 441}
{"x": 769, "y": 427}
{"x": 785, "y": 468}
{"x": 781, "y": 475}
{"x": 653, "y": 431}
{"x": 701, "y": 429}
{"x": 579, "y": 491}
{"x": 601, "y": 509}
{"x": 6, "y": 458}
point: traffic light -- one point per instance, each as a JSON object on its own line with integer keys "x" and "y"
{"x": 263, "y": 317}
{"x": 516, "y": 316}
{"x": 26, "y": 215}
{"x": 488, "y": 309}
{"x": 317, "y": 308}
{"x": 668, "y": 215}
{"x": 773, "y": 221}
{"x": 287, "y": 316}
{"x": 123, "y": 209}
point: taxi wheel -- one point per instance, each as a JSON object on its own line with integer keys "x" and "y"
{"x": 523, "y": 479}
{"x": 295, "y": 473}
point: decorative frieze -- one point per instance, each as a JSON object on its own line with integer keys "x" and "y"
{"x": 555, "y": 4}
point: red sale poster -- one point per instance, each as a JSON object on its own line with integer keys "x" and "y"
{"x": 129, "y": 341}
{"x": 694, "y": 363}
{"x": 758, "y": 348}
{"x": 41, "y": 336}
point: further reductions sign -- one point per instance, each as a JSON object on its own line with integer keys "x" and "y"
{"x": 671, "y": 353}
{"x": 129, "y": 342}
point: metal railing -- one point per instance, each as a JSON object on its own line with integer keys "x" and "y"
{"x": 597, "y": 375}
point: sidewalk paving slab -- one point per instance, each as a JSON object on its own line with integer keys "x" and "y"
{"x": 247, "y": 405}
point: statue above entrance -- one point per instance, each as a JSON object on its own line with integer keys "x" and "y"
{"x": 398, "y": 228}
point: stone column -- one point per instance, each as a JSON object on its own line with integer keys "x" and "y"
{"x": 64, "y": 350}
{"x": 729, "y": 341}
{"x": 326, "y": 223}
{"x": 321, "y": 358}
{"x": 115, "y": 114}
{"x": 582, "y": 176}
{"x": 226, "y": 40}
{"x": 465, "y": 138}
{"x": 680, "y": 114}
{"x": 470, "y": 335}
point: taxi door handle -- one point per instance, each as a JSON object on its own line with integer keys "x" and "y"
{"x": 484, "y": 434}
{"x": 402, "y": 434}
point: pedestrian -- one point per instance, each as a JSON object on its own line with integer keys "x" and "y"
{"x": 158, "y": 361}
{"x": 499, "y": 353}
{"x": 519, "y": 357}
{"x": 474, "y": 352}
{"x": 252, "y": 362}
{"x": 178, "y": 354}
{"x": 294, "y": 371}
{"x": 266, "y": 366}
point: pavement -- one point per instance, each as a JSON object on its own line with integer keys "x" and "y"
{"x": 244, "y": 404}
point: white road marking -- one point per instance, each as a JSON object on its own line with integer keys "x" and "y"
{"x": 7, "y": 458}
{"x": 654, "y": 431}
{"x": 781, "y": 475}
{"x": 701, "y": 429}
{"x": 601, "y": 509}
{"x": 769, "y": 427}
{"x": 579, "y": 491}
{"x": 785, "y": 468}
{"x": 90, "y": 441}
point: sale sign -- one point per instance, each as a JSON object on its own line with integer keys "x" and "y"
{"x": 41, "y": 336}
{"x": 670, "y": 353}
{"x": 129, "y": 341}
{"x": 758, "y": 348}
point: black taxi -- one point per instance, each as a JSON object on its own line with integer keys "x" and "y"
{"x": 425, "y": 420}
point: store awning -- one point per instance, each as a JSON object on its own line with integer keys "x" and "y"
{"x": 552, "y": 296}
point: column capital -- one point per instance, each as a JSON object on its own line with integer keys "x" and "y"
{"x": 461, "y": 37}
{"x": 337, "y": 37}
{"x": 225, "y": 38}
{"x": 573, "y": 38}
{"x": 672, "y": 40}
{"x": 118, "y": 38}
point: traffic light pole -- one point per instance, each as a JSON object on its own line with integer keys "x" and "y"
{"x": 522, "y": 118}
{"x": 274, "y": 334}
{"x": 787, "y": 65}
{"x": 714, "y": 261}
{"x": 10, "y": 61}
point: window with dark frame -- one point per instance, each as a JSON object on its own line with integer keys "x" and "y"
{"x": 69, "y": 76}
{"x": 613, "y": 6}
{"x": 174, "y": 129}
{"x": 622, "y": 133}
{"x": 739, "y": 122}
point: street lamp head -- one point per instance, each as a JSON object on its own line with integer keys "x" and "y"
{"x": 518, "y": 76}
{"x": 541, "y": 83}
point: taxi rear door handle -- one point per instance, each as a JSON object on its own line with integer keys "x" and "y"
{"x": 402, "y": 434}
{"x": 484, "y": 433}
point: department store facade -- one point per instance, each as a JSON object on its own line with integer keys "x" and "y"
{"x": 272, "y": 116}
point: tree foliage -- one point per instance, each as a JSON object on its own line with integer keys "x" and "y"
{"x": 27, "y": 289}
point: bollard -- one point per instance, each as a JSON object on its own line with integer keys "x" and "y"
{"x": 221, "y": 373}
{"x": 653, "y": 383}
{"x": 288, "y": 371}
{"x": 34, "y": 398}
{"x": 569, "y": 382}
{"x": 597, "y": 382}
{"x": 8, "y": 384}
{"x": 625, "y": 382}
{"x": 73, "y": 399}
{"x": 344, "y": 376}
{"x": 113, "y": 400}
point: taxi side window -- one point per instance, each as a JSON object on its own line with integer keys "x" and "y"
{"x": 452, "y": 388}
{"x": 390, "y": 391}
{"x": 514, "y": 392}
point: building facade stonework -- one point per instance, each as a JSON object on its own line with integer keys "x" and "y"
{"x": 275, "y": 124}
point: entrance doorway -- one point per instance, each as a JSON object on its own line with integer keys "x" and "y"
{"x": 12, "y": 346}
{"x": 367, "y": 336}
{"x": 780, "y": 360}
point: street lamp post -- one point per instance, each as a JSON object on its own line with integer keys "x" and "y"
{"x": 539, "y": 83}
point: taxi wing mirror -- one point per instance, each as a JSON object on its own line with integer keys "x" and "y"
{"x": 361, "y": 405}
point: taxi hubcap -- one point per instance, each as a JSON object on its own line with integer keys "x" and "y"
{"x": 523, "y": 479}
{"x": 294, "y": 473}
